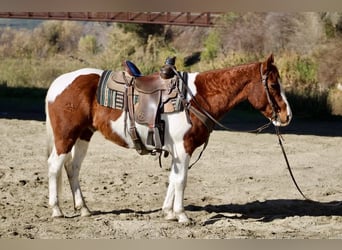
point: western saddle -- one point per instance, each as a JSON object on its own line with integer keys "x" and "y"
{"x": 155, "y": 94}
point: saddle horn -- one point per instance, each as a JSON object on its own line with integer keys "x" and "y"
{"x": 166, "y": 72}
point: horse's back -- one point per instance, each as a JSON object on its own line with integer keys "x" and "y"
{"x": 69, "y": 105}
{"x": 63, "y": 81}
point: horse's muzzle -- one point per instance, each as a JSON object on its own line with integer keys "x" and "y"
{"x": 282, "y": 120}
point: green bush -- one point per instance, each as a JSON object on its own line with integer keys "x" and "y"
{"x": 34, "y": 58}
{"x": 88, "y": 45}
{"x": 211, "y": 46}
{"x": 307, "y": 70}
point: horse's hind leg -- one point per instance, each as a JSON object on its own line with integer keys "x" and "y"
{"x": 55, "y": 163}
{"x": 72, "y": 167}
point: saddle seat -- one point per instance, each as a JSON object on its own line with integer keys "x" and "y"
{"x": 145, "y": 84}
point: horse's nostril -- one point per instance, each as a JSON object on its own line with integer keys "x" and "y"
{"x": 288, "y": 119}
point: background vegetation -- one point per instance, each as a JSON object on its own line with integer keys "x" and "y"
{"x": 307, "y": 48}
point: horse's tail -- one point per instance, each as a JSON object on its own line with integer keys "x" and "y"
{"x": 49, "y": 131}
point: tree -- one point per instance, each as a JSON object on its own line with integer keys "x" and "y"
{"x": 143, "y": 30}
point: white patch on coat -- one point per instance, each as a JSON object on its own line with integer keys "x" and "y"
{"x": 175, "y": 132}
{"x": 288, "y": 108}
{"x": 118, "y": 128}
{"x": 191, "y": 84}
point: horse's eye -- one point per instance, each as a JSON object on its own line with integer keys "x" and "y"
{"x": 274, "y": 85}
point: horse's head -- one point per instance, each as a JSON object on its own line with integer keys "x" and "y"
{"x": 268, "y": 96}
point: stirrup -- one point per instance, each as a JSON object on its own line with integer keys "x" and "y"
{"x": 153, "y": 138}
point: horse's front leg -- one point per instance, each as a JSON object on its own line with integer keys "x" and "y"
{"x": 173, "y": 205}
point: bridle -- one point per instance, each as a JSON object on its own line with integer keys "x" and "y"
{"x": 200, "y": 112}
{"x": 208, "y": 120}
{"x": 204, "y": 115}
{"x": 264, "y": 78}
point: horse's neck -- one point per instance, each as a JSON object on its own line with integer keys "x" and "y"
{"x": 223, "y": 89}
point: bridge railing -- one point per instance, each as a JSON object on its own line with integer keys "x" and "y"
{"x": 174, "y": 18}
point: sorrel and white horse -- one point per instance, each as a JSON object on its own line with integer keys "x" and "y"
{"x": 73, "y": 115}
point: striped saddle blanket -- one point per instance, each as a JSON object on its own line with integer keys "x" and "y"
{"x": 112, "y": 98}
{"x": 110, "y": 93}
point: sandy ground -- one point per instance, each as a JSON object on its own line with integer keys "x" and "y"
{"x": 239, "y": 189}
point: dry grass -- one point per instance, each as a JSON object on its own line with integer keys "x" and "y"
{"x": 308, "y": 60}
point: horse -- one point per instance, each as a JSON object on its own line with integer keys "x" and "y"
{"x": 73, "y": 115}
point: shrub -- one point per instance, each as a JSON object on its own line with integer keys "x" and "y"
{"x": 53, "y": 37}
{"x": 211, "y": 46}
{"x": 309, "y": 61}
{"x": 88, "y": 45}
{"x": 143, "y": 31}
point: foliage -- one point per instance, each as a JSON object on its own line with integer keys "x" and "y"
{"x": 88, "y": 45}
{"x": 143, "y": 31}
{"x": 211, "y": 46}
{"x": 307, "y": 48}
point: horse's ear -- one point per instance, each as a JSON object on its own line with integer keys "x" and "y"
{"x": 270, "y": 60}
{"x": 268, "y": 63}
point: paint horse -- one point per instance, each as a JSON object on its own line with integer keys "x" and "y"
{"x": 73, "y": 115}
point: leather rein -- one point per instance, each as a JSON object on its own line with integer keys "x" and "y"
{"x": 200, "y": 113}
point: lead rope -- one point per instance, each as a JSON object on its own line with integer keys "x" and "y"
{"x": 280, "y": 139}
{"x": 258, "y": 130}
{"x": 207, "y": 114}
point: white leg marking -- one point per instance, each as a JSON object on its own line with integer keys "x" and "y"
{"x": 178, "y": 177}
{"x": 55, "y": 163}
{"x": 173, "y": 206}
{"x": 73, "y": 167}
{"x": 169, "y": 199}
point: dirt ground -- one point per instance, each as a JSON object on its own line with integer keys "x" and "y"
{"x": 239, "y": 189}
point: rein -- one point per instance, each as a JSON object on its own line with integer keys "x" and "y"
{"x": 277, "y": 131}
{"x": 203, "y": 115}
{"x": 280, "y": 139}
{"x": 207, "y": 114}
{"x": 201, "y": 110}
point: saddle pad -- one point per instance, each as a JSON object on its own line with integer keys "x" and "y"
{"x": 113, "y": 97}
{"x": 108, "y": 97}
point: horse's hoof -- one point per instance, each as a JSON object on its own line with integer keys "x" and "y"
{"x": 170, "y": 217}
{"x": 182, "y": 218}
{"x": 58, "y": 216}
{"x": 85, "y": 212}
{"x": 57, "y": 213}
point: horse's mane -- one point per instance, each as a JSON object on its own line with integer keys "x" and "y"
{"x": 231, "y": 67}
